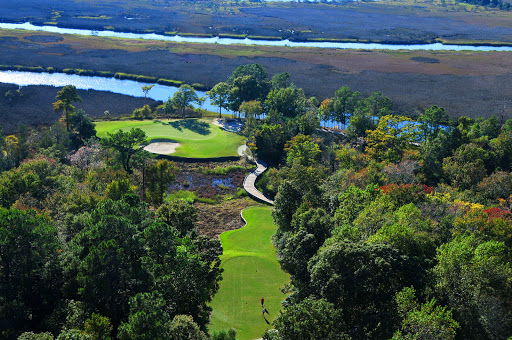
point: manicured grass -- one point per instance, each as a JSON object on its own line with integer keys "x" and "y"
{"x": 251, "y": 272}
{"x": 198, "y": 138}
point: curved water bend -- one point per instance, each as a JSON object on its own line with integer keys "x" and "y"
{"x": 126, "y": 87}
{"x": 247, "y": 41}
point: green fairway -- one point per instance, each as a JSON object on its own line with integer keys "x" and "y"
{"x": 198, "y": 138}
{"x": 251, "y": 272}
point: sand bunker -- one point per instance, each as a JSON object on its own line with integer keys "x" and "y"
{"x": 162, "y": 147}
{"x": 230, "y": 125}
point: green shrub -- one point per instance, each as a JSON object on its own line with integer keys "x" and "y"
{"x": 223, "y": 335}
{"x": 206, "y": 200}
{"x": 85, "y": 72}
{"x": 68, "y": 71}
{"x": 169, "y": 82}
{"x": 185, "y": 195}
{"x": 200, "y": 87}
{"x": 220, "y": 170}
{"x": 143, "y": 112}
{"x": 105, "y": 74}
{"x": 240, "y": 192}
{"x": 125, "y": 76}
{"x": 146, "y": 79}
{"x": 29, "y": 68}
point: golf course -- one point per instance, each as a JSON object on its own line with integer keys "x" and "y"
{"x": 251, "y": 272}
{"x": 197, "y": 138}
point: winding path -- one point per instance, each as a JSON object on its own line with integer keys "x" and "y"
{"x": 250, "y": 179}
{"x": 261, "y": 166}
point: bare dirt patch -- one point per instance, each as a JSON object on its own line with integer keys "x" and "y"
{"x": 213, "y": 220}
{"x": 231, "y": 125}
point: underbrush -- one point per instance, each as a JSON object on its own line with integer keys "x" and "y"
{"x": 221, "y": 170}
{"x": 188, "y": 196}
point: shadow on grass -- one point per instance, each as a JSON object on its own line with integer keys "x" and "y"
{"x": 193, "y": 125}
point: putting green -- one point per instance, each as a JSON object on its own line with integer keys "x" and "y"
{"x": 198, "y": 138}
{"x": 251, "y": 272}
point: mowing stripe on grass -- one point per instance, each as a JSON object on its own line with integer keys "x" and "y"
{"x": 251, "y": 272}
{"x": 198, "y": 138}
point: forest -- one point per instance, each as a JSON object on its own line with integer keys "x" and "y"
{"x": 390, "y": 227}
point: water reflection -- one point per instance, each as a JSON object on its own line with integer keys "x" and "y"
{"x": 126, "y": 87}
{"x": 247, "y": 41}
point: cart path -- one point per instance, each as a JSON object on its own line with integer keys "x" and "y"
{"x": 250, "y": 179}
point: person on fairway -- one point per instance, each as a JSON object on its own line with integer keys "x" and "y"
{"x": 262, "y": 301}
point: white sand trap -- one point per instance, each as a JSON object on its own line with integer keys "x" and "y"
{"x": 230, "y": 125}
{"x": 242, "y": 150}
{"x": 162, "y": 147}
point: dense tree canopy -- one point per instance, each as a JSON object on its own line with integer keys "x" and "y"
{"x": 127, "y": 144}
{"x": 394, "y": 228}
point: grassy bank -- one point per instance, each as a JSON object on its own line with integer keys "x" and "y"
{"x": 410, "y": 78}
{"x": 198, "y": 138}
{"x": 251, "y": 272}
{"x": 104, "y": 74}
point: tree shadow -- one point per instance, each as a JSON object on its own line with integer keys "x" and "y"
{"x": 193, "y": 125}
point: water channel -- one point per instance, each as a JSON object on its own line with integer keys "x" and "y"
{"x": 247, "y": 41}
{"x": 126, "y": 87}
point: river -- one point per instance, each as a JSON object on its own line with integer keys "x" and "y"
{"x": 126, "y": 87}
{"x": 247, "y": 41}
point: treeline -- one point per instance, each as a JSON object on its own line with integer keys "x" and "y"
{"x": 89, "y": 249}
{"x": 490, "y": 3}
{"x": 395, "y": 229}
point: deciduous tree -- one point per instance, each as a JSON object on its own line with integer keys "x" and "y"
{"x": 146, "y": 89}
{"x": 310, "y": 319}
{"x": 219, "y": 96}
{"x": 179, "y": 214}
{"x": 302, "y": 150}
{"x": 425, "y": 321}
{"x": 392, "y": 137}
{"x": 30, "y": 273}
{"x": 270, "y": 140}
{"x": 184, "y": 97}
{"x": 474, "y": 277}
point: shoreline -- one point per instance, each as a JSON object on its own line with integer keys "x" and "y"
{"x": 222, "y": 37}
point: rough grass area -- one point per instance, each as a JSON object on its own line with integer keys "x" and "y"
{"x": 251, "y": 272}
{"x": 213, "y": 220}
{"x": 35, "y": 106}
{"x": 464, "y": 83}
{"x": 198, "y": 138}
{"x": 397, "y": 20}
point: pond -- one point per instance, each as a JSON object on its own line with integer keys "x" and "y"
{"x": 247, "y": 41}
